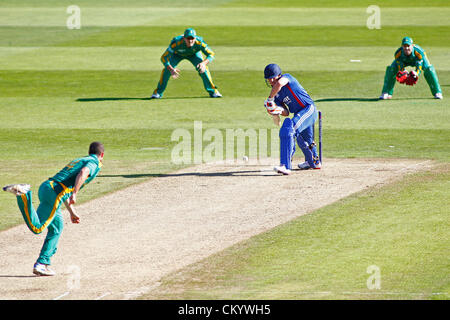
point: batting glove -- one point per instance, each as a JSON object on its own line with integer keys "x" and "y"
{"x": 275, "y": 110}
{"x": 269, "y": 103}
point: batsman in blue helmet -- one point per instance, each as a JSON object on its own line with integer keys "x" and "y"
{"x": 288, "y": 96}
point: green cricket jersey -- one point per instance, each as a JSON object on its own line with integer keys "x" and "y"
{"x": 178, "y": 47}
{"x": 418, "y": 59}
{"x": 69, "y": 173}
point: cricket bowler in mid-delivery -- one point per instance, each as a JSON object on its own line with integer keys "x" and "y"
{"x": 61, "y": 188}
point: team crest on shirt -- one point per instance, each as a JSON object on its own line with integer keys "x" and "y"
{"x": 286, "y": 100}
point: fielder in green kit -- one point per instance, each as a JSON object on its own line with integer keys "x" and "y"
{"x": 410, "y": 54}
{"x": 61, "y": 188}
{"x": 193, "y": 48}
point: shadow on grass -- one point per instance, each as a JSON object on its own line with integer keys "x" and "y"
{"x": 131, "y": 98}
{"x": 185, "y": 174}
{"x": 422, "y": 98}
{"x": 108, "y": 99}
{"x": 368, "y": 99}
{"x": 346, "y": 99}
{"x": 131, "y": 176}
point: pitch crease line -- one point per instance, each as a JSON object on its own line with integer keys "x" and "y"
{"x": 62, "y": 296}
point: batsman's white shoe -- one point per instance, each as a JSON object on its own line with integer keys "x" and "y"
{"x": 385, "y": 96}
{"x": 282, "y": 170}
{"x": 216, "y": 94}
{"x": 17, "y": 189}
{"x": 40, "y": 269}
{"x": 438, "y": 96}
{"x": 155, "y": 96}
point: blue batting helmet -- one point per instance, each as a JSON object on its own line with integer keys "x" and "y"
{"x": 271, "y": 71}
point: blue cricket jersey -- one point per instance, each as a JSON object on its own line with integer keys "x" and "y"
{"x": 293, "y": 96}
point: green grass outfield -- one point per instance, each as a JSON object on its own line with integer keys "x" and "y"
{"x": 61, "y": 89}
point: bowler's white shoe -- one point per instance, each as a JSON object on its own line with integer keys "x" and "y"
{"x": 41, "y": 269}
{"x": 438, "y": 96}
{"x": 155, "y": 96}
{"x": 385, "y": 96}
{"x": 17, "y": 189}
{"x": 216, "y": 94}
{"x": 282, "y": 170}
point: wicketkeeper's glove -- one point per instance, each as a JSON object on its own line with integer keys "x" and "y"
{"x": 412, "y": 78}
{"x": 402, "y": 76}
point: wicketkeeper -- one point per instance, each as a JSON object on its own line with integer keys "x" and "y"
{"x": 288, "y": 96}
{"x": 192, "y": 47}
{"x": 412, "y": 55}
{"x": 61, "y": 188}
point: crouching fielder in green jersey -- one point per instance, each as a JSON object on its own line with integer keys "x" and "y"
{"x": 191, "y": 47}
{"x": 61, "y": 188}
{"x": 411, "y": 55}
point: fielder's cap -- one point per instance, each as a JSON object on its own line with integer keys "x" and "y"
{"x": 189, "y": 32}
{"x": 271, "y": 71}
{"x": 407, "y": 40}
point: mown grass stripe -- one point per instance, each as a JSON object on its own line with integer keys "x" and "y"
{"x": 227, "y": 59}
{"x": 223, "y": 3}
{"x": 340, "y": 87}
{"x": 122, "y": 142}
{"x": 114, "y": 3}
{"x": 424, "y": 16}
{"x": 331, "y": 3}
{"x": 230, "y": 36}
